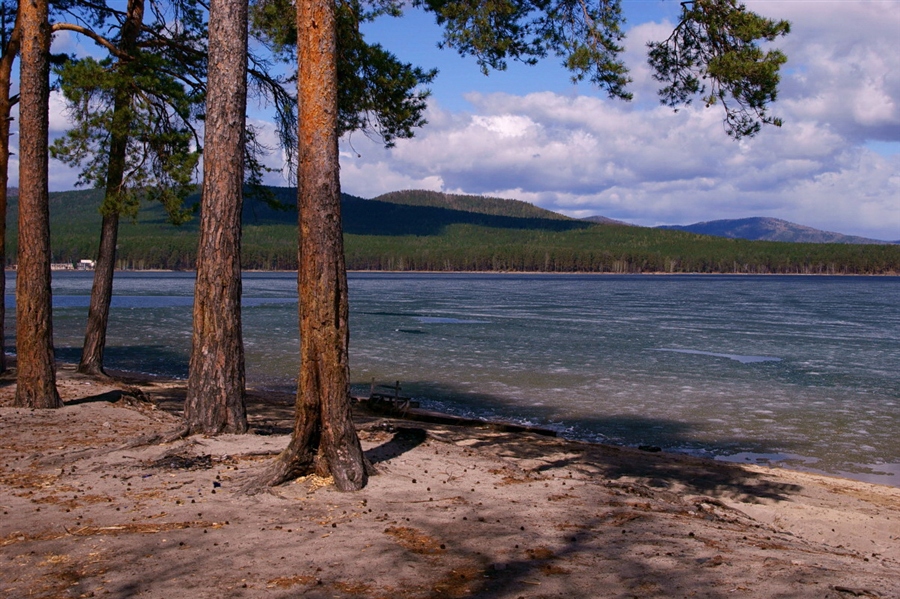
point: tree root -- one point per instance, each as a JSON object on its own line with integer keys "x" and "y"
{"x": 158, "y": 438}
{"x": 279, "y": 472}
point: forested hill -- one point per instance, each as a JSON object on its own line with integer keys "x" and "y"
{"x": 415, "y": 213}
{"x": 441, "y": 232}
{"x": 467, "y": 203}
{"x": 270, "y": 226}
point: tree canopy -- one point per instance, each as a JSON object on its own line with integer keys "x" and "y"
{"x": 714, "y": 52}
{"x": 162, "y": 152}
{"x": 379, "y": 95}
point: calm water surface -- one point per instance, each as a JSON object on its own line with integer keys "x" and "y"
{"x": 801, "y": 370}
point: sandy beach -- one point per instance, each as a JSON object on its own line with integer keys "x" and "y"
{"x": 455, "y": 511}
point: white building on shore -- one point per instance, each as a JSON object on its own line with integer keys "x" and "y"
{"x": 80, "y": 265}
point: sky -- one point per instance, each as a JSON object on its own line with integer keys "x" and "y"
{"x": 528, "y": 133}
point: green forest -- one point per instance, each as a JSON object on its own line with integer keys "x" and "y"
{"x": 431, "y": 231}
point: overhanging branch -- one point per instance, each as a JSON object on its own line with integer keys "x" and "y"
{"x": 99, "y": 39}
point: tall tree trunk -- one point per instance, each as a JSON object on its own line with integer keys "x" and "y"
{"x": 101, "y": 291}
{"x": 36, "y": 378}
{"x": 324, "y": 439}
{"x": 10, "y": 51}
{"x": 216, "y": 387}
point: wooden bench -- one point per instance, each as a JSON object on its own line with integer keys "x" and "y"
{"x": 387, "y": 398}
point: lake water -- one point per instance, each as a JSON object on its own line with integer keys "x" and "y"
{"x": 798, "y": 370}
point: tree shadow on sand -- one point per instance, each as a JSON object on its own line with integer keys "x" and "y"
{"x": 646, "y": 465}
{"x": 160, "y": 359}
{"x": 685, "y": 475}
{"x": 404, "y": 439}
{"x": 107, "y": 397}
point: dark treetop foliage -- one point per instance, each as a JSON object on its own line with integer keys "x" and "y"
{"x": 714, "y": 51}
{"x": 585, "y": 34}
{"x": 163, "y": 79}
{"x": 161, "y": 156}
{"x": 378, "y": 94}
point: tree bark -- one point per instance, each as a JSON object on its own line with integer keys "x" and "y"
{"x": 216, "y": 382}
{"x": 36, "y": 377}
{"x": 101, "y": 292}
{"x": 10, "y": 51}
{"x": 91, "y": 362}
{"x": 324, "y": 439}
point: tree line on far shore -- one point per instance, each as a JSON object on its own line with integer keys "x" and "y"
{"x": 404, "y": 231}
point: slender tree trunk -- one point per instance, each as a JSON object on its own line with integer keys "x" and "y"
{"x": 10, "y": 51}
{"x": 101, "y": 296}
{"x": 9, "y": 54}
{"x": 4, "y": 181}
{"x": 216, "y": 387}
{"x": 36, "y": 378}
{"x": 101, "y": 291}
{"x": 324, "y": 439}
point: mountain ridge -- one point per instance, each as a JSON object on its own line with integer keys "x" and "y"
{"x": 470, "y": 203}
{"x": 605, "y": 220}
{"x": 429, "y": 233}
{"x": 507, "y": 212}
{"x": 763, "y": 228}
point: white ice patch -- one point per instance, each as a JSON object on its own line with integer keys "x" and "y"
{"x": 735, "y": 357}
{"x": 445, "y": 320}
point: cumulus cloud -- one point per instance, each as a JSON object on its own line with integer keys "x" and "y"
{"x": 844, "y": 69}
{"x": 60, "y": 176}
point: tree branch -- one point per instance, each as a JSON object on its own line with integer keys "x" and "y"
{"x": 100, "y": 40}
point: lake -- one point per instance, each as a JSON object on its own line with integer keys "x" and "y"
{"x": 798, "y": 370}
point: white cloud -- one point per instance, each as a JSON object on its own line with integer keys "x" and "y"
{"x": 60, "y": 176}
{"x": 378, "y": 178}
{"x": 843, "y": 66}
{"x": 58, "y": 114}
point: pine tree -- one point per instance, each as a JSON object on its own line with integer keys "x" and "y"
{"x": 132, "y": 132}
{"x": 382, "y": 97}
{"x": 216, "y": 384}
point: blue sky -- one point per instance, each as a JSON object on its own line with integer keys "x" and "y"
{"x": 414, "y": 38}
{"x": 529, "y": 134}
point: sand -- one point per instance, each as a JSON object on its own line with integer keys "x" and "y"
{"x": 454, "y": 512}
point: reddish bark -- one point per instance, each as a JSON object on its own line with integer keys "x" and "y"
{"x": 216, "y": 384}
{"x": 36, "y": 376}
{"x": 6, "y": 62}
{"x": 324, "y": 439}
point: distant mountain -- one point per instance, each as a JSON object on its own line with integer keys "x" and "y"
{"x": 769, "y": 229}
{"x": 603, "y": 220}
